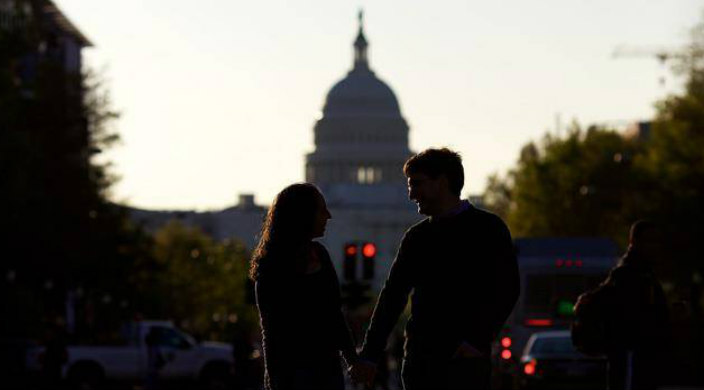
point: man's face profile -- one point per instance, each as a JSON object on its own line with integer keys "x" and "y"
{"x": 425, "y": 192}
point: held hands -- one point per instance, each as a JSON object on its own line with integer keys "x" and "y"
{"x": 363, "y": 371}
{"x": 465, "y": 351}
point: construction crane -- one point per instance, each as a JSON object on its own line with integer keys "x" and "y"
{"x": 661, "y": 53}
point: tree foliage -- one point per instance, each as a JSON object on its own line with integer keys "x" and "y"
{"x": 199, "y": 283}
{"x": 59, "y": 230}
{"x": 572, "y": 186}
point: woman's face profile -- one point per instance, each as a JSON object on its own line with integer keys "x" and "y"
{"x": 321, "y": 217}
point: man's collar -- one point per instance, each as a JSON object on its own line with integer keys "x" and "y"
{"x": 464, "y": 205}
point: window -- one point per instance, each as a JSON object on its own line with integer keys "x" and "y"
{"x": 167, "y": 337}
{"x": 554, "y": 345}
{"x": 368, "y": 175}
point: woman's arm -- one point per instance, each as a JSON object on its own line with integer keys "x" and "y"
{"x": 391, "y": 302}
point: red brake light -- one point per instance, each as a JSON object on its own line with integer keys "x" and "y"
{"x": 538, "y": 322}
{"x": 506, "y": 354}
{"x": 529, "y": 368}
{"x": 559, "y": 263}
{"x": 506, "y": 342}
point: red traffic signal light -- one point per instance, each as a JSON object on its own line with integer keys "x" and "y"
{"x": 349, "y": 266}
{"x": 350, "y": 250}
{"x": 369, "y": 250}
{"x": 368, "y": 253}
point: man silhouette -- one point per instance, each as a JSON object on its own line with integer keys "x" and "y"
{"x": 638, "y": 327}
{"x": 461, "y": 266}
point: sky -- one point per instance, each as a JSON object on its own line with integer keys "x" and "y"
{"x": 219, "y": 97}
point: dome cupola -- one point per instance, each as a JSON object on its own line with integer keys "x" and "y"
{"x": 361, "y": 93}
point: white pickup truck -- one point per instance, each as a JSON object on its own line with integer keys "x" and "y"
{"x": 88, "y": 367}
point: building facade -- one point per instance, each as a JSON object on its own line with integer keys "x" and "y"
{"x": 50, "y": 32}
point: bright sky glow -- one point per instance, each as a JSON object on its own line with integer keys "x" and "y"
{"x": 219, "y": 97}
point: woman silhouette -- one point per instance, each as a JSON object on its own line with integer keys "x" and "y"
{"x": 298, "y": 296}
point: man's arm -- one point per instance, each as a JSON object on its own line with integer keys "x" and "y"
{"x": 392, "y": 300}
{"x": 507, "y": 282}
{"x": 343, "y": 334}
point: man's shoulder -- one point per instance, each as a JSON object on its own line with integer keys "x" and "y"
{"x": 626, "y": 272}
{"x": 418, "y": 227}
{"x": 479, "y": 216}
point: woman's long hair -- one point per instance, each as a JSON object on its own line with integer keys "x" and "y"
{"x": 287, "y": 228}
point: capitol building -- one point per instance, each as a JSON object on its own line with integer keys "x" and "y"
{"x": 361, "y": 144}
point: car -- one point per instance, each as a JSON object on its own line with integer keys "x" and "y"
{"x": 550, "y": 361}
{"x": 209, "y": 364}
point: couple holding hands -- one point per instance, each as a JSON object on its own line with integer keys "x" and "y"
{"x": 459, "y": 265}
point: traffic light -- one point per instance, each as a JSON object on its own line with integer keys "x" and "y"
{"x": 349, "y": 265}
{"x": 368, "y": 254}
{"x": 354, "y": 291}
{"x": 565, "y": 308}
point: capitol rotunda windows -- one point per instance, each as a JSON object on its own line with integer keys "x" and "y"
{"x": 368, "y": 175}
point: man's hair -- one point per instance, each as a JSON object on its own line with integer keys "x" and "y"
{"x": 640, "y": 228}
{"x": 436, "y": 162}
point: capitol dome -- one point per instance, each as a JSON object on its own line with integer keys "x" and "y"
{"x": 361, "y": 93}
{"x": 361, "y": 139}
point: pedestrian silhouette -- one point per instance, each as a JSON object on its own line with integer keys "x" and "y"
{"x": 461, "y": 267}
{"x": 631, "y": 316}
{"x": 298, "y": 296}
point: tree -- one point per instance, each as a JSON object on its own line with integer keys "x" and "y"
{"x": 197, "y": 282}
{"x": 59, "y": 231}
{"x": 572, "y": 186}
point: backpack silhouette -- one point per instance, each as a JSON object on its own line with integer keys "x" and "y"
{"x": 589, "y": 327}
